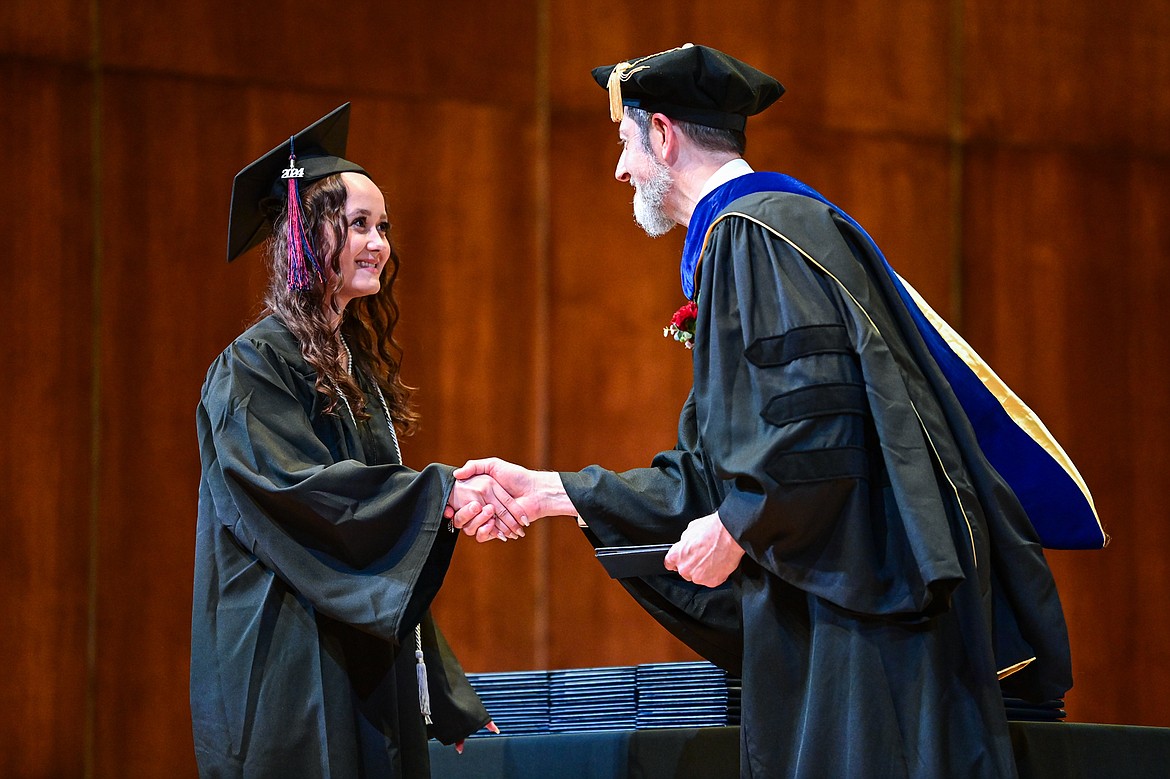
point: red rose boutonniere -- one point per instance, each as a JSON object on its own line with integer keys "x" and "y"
{"x": 682, "y": 325}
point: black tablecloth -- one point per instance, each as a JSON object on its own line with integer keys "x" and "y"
{"x": 1044, "y": 750}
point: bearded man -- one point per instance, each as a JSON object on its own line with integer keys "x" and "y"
{"x": 845, "y": 538}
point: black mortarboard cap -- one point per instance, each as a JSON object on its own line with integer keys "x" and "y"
{"x": 692, "y": 83}
{"x": 259, "y": 188}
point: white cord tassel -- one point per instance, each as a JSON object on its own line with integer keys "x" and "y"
{"x": 424, "y": 693}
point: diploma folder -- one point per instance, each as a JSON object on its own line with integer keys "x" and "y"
{"x": 624, "y": 562}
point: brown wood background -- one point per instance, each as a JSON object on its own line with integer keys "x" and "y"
{"x": 1012, "y": 158}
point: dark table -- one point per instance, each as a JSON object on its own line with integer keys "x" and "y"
{"x": 1044, "y": 750}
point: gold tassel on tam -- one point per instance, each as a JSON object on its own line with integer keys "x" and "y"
{"x": 615, "y": 90}
{"x": 622, "y": 72}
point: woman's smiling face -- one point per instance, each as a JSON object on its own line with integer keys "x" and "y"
{"x": 367, "y": 241}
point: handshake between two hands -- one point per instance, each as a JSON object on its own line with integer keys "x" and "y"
{"x": 496, "y": 499}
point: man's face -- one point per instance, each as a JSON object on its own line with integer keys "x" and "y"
{"x": 649, "y": 176}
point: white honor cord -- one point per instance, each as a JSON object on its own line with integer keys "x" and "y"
{"x": 390, "y": 422}
{"x": 424, "y": 692}
{"x": 381, "y": 398}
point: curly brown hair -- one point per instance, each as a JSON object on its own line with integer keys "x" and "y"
{"x": 368, "y": 322}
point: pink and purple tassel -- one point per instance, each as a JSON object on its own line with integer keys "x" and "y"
{"x": 300, "y": 277}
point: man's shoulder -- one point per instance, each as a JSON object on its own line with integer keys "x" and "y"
{"x": 782, "y": 213}
{"x": 775, "y": 204}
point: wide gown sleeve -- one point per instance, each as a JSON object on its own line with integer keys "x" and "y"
{"x": 823, "y": 461}
{"x": 353, "y": 539}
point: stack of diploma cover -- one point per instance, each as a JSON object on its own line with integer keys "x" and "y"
{"x": 686, "y": 695}
{"x": 654, "y": 695}
{"x": 517, "y": 700}
{"x": 578, "y": 700}
{"x": 591, "y": 699}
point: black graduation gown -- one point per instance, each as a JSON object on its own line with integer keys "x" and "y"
{"x": 317, "y": 553}
{"x": 890, "y": 575}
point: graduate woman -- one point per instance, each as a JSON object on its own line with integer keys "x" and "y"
{"x": 318, "y": 553}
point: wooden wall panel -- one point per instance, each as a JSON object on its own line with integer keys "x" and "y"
{"x": 56, "y": 30}
{"x": 1065, "y": 185}
{"x": 901, "y": 190}
{"x": 1067, "y": 278}
{"x": 1010, "y": 158}
{"x": 617, "y": 384}
{"x": 46, "y": 239}
{"x": 461, "y": 195}
{"x": 474, "y": 51}
{"x": 1068, "y": 72}
{"x": 866, "y": 66}
{"x": 169, "y": 304}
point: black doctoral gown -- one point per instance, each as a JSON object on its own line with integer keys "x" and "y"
{"x": 317, "y": 554}
{"x": 890, "y": 575}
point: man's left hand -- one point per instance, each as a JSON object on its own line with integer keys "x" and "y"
{"x": 706, "y": 553}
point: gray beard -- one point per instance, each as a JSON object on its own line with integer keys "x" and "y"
{"x": 649, "y": 197}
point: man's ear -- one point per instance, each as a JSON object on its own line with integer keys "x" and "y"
{"x": 664, "y": 138}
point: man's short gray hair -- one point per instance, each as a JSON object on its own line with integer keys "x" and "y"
{"x": 708, "y": 138}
